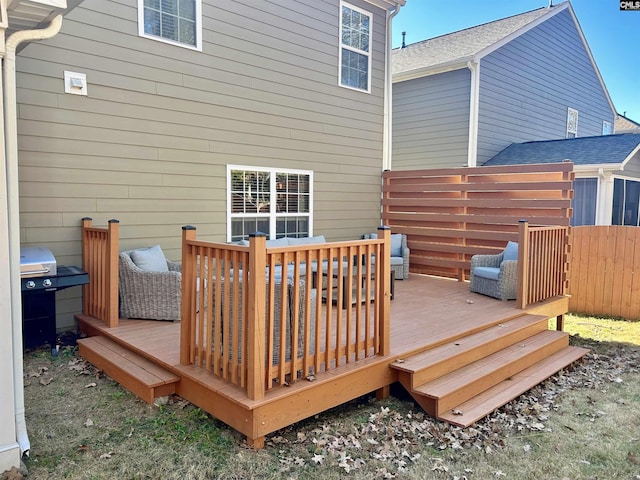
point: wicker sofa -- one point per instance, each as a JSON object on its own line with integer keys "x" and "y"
{"x": 148, "y": 294}
{"x": 496, "y": 275}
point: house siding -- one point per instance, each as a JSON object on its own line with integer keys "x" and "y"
{"x": 150, "y": 143}
{"x": 431, "y": 121}
{"x": 527, "y": 85}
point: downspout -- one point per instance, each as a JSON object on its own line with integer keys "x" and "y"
{"x": 474, "y": 99}
{"x": 13, "y": 198}
{"x": 387, "y": 123}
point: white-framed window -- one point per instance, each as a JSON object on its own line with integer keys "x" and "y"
{"x": 178, "y": 22}
{"x": 278, "y": 202}
{"x": 585, "y": 201}
{"x": 607, "y": 128}
{"x": 572, "y": 122}
{"x": 626, "y": 202}
{"x": 355, "y": 47}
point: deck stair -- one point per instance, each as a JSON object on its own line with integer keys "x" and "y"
{"x": 134, "y": 372}
{"x": 468, "y": 378}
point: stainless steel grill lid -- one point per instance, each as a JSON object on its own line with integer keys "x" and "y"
{"x": 37, "y": 262}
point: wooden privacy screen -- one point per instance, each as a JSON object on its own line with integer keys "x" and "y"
{"x": 604, "y": 280}
{"x": 451, "y": 214}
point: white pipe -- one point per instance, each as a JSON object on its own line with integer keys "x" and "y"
{"x": 13, "y": 198}
{"x": 474, "y": 99}
{"x": 387, "y": 125}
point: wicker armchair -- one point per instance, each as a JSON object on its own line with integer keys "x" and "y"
{"x": 148, "y": 295}
{"x": 496, "y": 275}
{"x": 399, "y": 258}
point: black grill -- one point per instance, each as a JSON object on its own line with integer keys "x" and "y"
{"x": 39, "y": 293}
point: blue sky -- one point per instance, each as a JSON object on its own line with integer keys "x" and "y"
{"x": 613, "y": 36}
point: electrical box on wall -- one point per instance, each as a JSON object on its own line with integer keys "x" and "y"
{"x": 75, "y": 83}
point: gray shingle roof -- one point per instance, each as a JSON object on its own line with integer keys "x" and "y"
{"x": 600, "y": 150}
{"x": 460, "y": 45}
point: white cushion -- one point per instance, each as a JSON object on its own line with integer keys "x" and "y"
{"x": 150, "y": 259}
{"x": 307, "y": 240}
{"x": 278, "y": 242}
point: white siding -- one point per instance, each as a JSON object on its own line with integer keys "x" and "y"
{"x": 150, "y": 143}
{"x": 431, "y": 121}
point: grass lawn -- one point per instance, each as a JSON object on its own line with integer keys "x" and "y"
{"x": 581, "y": 424}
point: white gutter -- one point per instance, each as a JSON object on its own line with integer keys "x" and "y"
{"x": 387, "y": 123}
{"x": 474, "y": 107}
{"x": 13, "y": 198}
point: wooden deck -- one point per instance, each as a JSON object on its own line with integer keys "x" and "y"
{"x": 459, "y": 331}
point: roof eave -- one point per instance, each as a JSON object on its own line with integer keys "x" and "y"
{"x": 35, "y": 14}
{"x": 387, "y": 4}
{"x": 597, "y": 166}
{"x": 457, "y": 64}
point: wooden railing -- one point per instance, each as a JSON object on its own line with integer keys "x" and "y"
{"x": 542, "y": 263}
{"x": 260, "y": 317}
{"x": 100, "y": 261}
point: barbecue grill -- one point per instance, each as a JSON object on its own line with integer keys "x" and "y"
{"x": 41, "y": 278}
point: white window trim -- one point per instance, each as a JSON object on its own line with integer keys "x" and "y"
{"x": 341, "y": 46}
{"x": 197, "y": 46}
{"x": 575, "y": 131}
{"x": 272, "y": 207}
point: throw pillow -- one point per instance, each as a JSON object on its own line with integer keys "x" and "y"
{"x": 396, "y": 244}
{"x": 150, "y": 259}
{"x": 511, "y": 251}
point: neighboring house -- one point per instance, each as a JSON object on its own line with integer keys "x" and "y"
{"x": 461, "y": 98}
{"x": 232, "y": 116}
{"x": 607, "y": 184}
{"x": 626, "y": 125}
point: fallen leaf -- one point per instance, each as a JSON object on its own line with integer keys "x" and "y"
{"x": 457, "y": 412}
{"x": 46, "y": 380}
{"x": 88, "y": 423}
{"x": 12, "y": 474}
{"x": 89, "y": 385}
{"x": 317, "y": 459}
{"x": 106, "y": 455}
{"x": 633, "y": 458}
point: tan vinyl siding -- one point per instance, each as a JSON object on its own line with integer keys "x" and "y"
{"x": 150, "y": 143}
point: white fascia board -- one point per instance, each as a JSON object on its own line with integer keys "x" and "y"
{"x": 630, "y": 156}
{"x": 387, "y": 4}
{"x": 457, "y": 64}
{"x": 594, "y": 167}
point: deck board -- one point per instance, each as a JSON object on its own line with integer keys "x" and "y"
{"x": 426, "y": 312}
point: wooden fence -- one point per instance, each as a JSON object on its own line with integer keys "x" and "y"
{"x": 449, "y": 215}
{"x": 100, "y": 261}
{"x": 604, "y": 278}
{"x": 270, "y": 311}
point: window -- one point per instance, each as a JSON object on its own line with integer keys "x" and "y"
{"x": 355, "y": 48}
{"x": 275, "y": 202}
{"x": 178, "y": 22}
{"x": 572, "y": 123}
{"x": 626, "y": 200}
{"x": 607, "y": 128}
{"x": 585, "y": 195}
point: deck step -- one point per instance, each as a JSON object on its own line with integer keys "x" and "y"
{"x": 460, "y": 385}
{"x": 434, "y": 363}
{"x": 486, "y": 402}
{"x": 134, "y": 372}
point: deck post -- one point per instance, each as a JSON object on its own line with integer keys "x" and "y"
{"x": 87, "y": 222}
{"x": 523, "y": 264}
{"x": 256, "y": 327}
{"x": 384, "y": 284}
{"x": 112, "y": 273}
{"x": 187, "y": 351}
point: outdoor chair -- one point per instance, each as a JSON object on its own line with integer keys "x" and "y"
{"x": 496, "y": 275}
{"x": 399, "y": 254}
{"x": 149, "y": 285}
